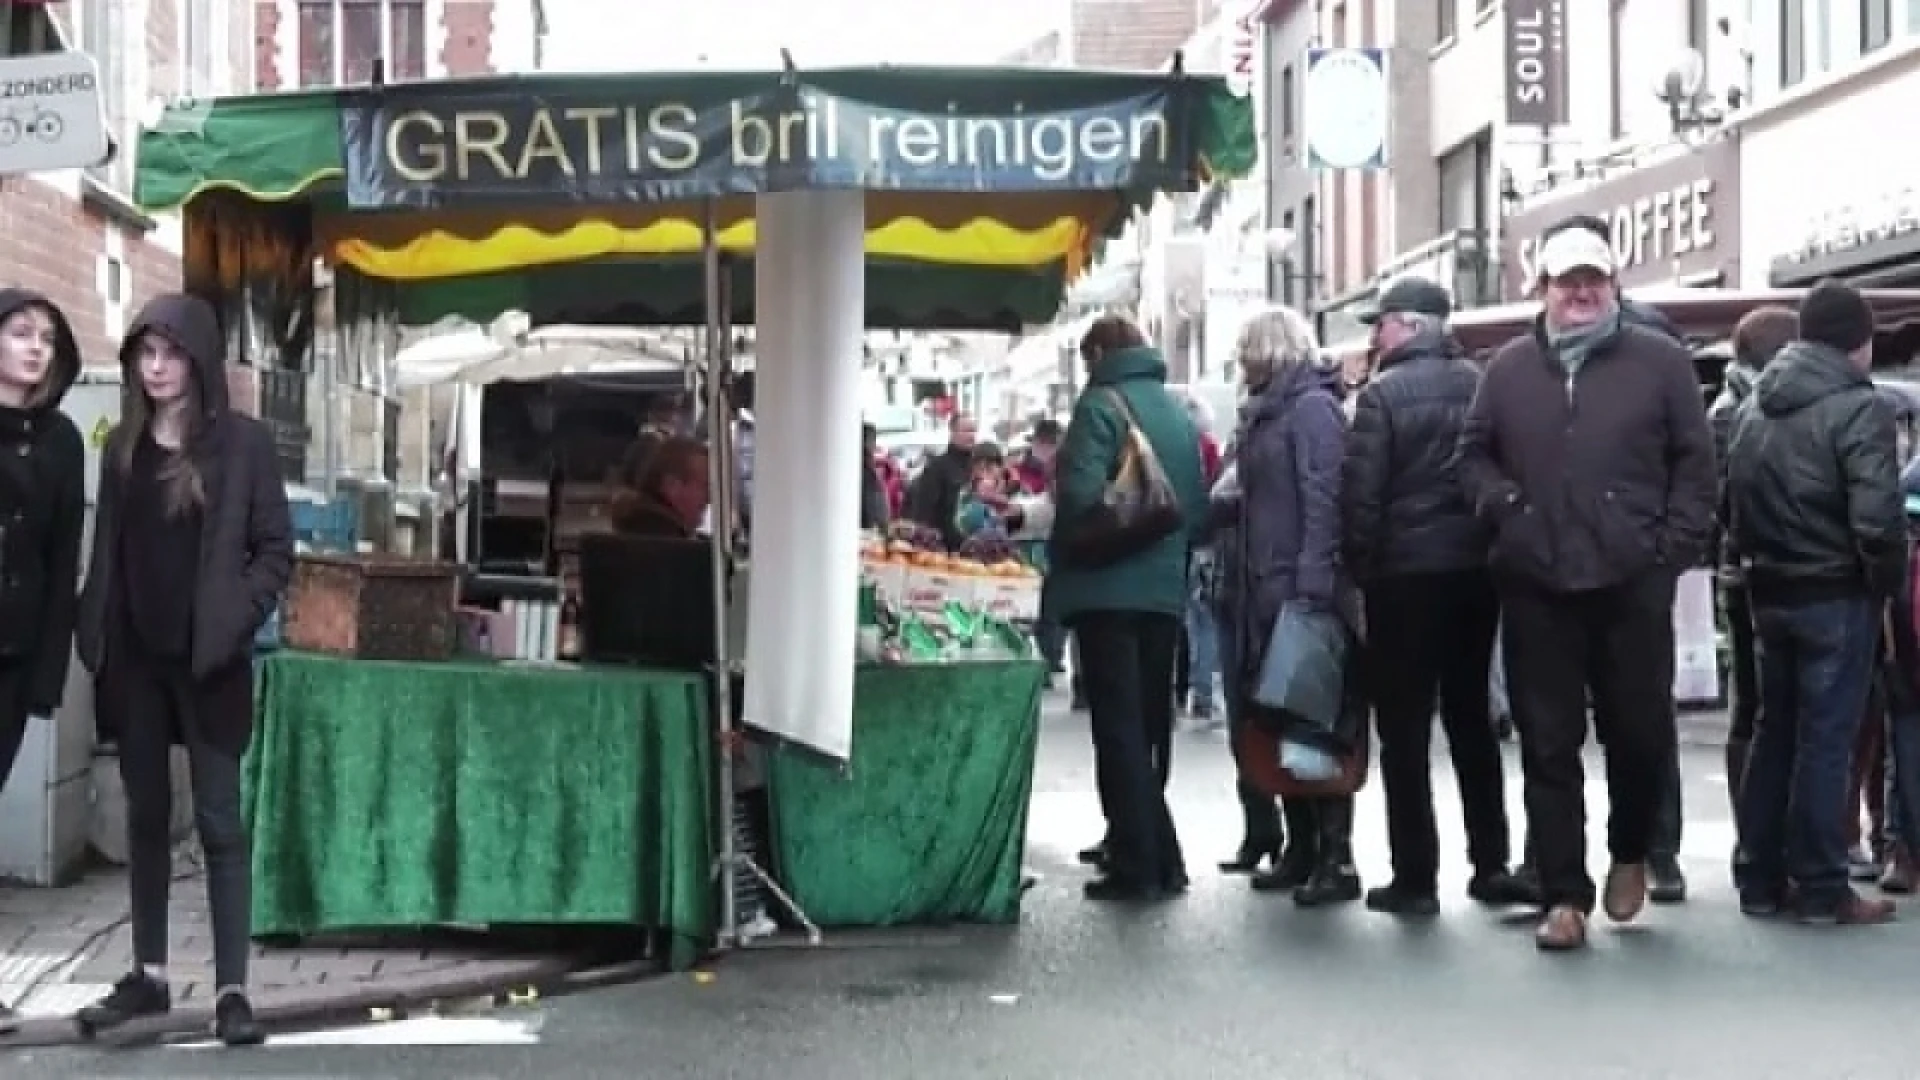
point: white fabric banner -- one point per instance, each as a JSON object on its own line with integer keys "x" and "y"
{"x": 810, "y": 298}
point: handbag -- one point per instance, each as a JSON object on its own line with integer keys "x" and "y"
{"x": 1137, "y": 510}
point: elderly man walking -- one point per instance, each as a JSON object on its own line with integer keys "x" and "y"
{"x": 1588, "y": 454}
{"x": 1413, "y": 544}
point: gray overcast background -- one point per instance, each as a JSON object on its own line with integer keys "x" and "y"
{"x": 638, "y": 35}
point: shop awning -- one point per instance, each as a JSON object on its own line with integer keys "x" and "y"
{"x": 988, "y": 189}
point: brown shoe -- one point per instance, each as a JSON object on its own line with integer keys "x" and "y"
{"x": 1855, "y": 910}
{"x": 1563, "y": 929}
{"x": 1901, "y": 875}
{"x": 1626, "y": 891}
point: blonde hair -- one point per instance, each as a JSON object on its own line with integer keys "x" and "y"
{"x": 1274, "y": 342}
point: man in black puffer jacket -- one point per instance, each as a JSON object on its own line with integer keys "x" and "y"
{"x": 1415, "y": 546}
{"x": 1817, "y": 520}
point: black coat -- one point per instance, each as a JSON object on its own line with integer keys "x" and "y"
{"x": 1591, "y": 482}
{"x": 934, "y": 497}
{"x": 42, "y": 516}
{"x": 246, "y": 534}
{"x": 1815, "y": 504}
{"x": 1403, "y": 511}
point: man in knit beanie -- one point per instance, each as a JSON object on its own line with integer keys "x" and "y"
{"x": 1817, "y": 521}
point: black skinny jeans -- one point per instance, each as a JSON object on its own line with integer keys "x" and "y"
{"x": 13, "y": 715}
{"x": 1126, "y": 660}
{"x": 1615, "y": 644}
{"x": 1432, "y": 640}
{"x": 158, "y": 706}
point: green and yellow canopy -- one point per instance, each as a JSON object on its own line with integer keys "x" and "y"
{"x": 584, "y": 197}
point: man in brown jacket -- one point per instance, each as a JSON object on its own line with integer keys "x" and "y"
{"x": 1587, "y": 451}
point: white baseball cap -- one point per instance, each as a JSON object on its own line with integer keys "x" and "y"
{"x": 1575, "y": 249}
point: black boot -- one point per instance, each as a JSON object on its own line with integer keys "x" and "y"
{"x": 1295, "y": 864}
{"x": 1262, "y": 831}
{"x": 1334, "y": 879}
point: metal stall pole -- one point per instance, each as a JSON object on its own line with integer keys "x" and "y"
{"x": 721, "y": 515}
{"x": 719, "y": 360}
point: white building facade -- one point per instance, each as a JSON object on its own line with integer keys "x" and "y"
{"x": 1831, "y": 184}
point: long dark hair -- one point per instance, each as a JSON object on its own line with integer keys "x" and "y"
{"x": 182, "y": 488}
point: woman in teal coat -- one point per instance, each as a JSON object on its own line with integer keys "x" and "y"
{"x": 1126, "y": 615}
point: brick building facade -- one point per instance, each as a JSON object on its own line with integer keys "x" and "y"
{"x": 302, "y": 43}
{"x": 75, "y": 236}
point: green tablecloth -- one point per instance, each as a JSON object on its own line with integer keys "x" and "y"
{"x": 399, "y": 795}
{"x": 929, "y": 822}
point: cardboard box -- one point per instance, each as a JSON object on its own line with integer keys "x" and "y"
{"x": 889, "y": 580}
{"x": 933, "y": 590}
{"x": 1009, "y": 598}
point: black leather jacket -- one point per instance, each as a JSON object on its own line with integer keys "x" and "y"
{"x": 1813, "y": 484}
{"x": 1403, "y": 510}
{"x": 1735, "y": 388}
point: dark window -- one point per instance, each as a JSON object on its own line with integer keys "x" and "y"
{"x": 1699, "y": 31}
{"x": 1449, "y": 18}
{"x": 1616, "y": 24}
{"x": 1876, "y": 24}
{"x": 343, "y": 42}
{"x": 1288, "y": 108}
{"x": 1466, "y": 185}
{"x": 1793, "y": 42}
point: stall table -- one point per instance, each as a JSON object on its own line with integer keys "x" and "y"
{"x": 386, "y": 795}
{"x": 927, "y": 824}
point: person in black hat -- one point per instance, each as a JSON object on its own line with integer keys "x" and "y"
{"x": 1816, "y": 519}
{"x": 1412, "y": 542}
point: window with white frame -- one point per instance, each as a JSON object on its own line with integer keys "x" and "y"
{"x": 355, "y": 42}
{"x": 1913, "y": 17}
{"x": 204, "y": 48}
{"x": 103, "y": 29}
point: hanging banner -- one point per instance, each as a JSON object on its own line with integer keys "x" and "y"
{"x": 1347, "y": 108}
{"x": 625, "y": 141}
{"x": 1536, "y": 62}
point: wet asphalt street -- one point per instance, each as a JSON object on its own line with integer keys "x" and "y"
{"x": 1222, "y": 983}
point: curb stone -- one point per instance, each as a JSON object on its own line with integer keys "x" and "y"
{"x": 549, "y": 976}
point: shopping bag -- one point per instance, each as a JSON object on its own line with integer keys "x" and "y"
{"x": 1301, "y": 674}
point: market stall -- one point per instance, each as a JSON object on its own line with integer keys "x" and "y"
{"x": 813, "y": 205}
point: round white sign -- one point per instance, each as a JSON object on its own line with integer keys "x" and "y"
{"x": 1346, "y": 109}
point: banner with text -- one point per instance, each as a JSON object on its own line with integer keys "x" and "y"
{"x": 432, "y": 146}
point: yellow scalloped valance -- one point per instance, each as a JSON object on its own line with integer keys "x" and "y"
{"x": 439, "y": 253}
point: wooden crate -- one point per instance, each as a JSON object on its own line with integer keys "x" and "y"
{"x": 372, "y": 607}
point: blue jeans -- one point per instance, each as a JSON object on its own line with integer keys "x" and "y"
{"x": 1203, "y": 646}
{"x": 1816, "y": 664}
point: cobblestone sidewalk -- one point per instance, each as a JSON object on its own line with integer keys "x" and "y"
{"x": 61, "y": 948}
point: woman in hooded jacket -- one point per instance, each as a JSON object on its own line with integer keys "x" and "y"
{"x": 1282, "y": 547}
{"x": 42, "y": 505}
{"x": 192, "y": 547}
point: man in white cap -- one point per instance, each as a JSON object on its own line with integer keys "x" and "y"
{"x": 1587, "y": 452}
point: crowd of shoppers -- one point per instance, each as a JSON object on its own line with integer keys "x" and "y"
{"x": 1528, "y": 514}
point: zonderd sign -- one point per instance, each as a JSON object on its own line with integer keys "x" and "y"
{"x": 408, "y": 147}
